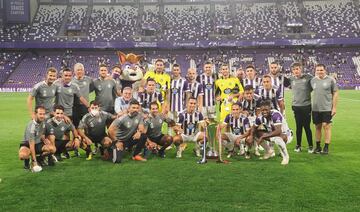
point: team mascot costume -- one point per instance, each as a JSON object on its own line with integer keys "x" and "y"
{"x": 132, "y": 71}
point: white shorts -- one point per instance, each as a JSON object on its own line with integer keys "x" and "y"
{"x": 288, "y": 134}
{"x": 190, "y": 138}
{"x": 209, "y": 112}
{"x": 174, "y": 115}
{"x": 252, "y": 120}
{"x": 232, "y": 137}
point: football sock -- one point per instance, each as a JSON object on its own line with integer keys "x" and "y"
{"x": 317, "y": 144}
{"x": 326, "y": 146}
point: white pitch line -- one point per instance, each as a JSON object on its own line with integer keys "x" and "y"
{"x": 354, "y": 100}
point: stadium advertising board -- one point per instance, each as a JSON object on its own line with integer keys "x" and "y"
{"x": 17, "y": 11}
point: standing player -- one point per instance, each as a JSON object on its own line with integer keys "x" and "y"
{"x": 115, "y": 74}
{"x": 149, "y": 96}
{"x": 251, "y": 78}
{"x": 271, "y": 126}
{"x": 301, "y": 105}
{"x": 86, "y": 86}
{"x": 153, "y": 125}
{"x": 178, "y": 93}
{"x": 187, "y": 129}
{"x": 324, "y": 105}
{"x": 279, "y": 81}
{"x": 60, "y": 130}
{"x": 66, "y": 91}
{"x": 128, "y": 131}
{"x": 195, "y": 88}
{"x": 228, "y": 90}
{"x": 207, "y": 81}
{"x": 161, "y": 78}
{"x": 92, "y": 129}
{"x": 105, "y": 88}
{"x": 268, "y": 92}
{"x": 44, "y": 93}
{"x": 239, "y": 132}
{"x": 35, "y": 142}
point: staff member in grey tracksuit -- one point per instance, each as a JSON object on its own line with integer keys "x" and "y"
{"x": 301, "y": 105}
{"x": 128, "y": 131}
{"x": 324, "y": 105}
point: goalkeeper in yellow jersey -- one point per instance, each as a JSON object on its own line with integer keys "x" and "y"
{"x": 228, "y": 91}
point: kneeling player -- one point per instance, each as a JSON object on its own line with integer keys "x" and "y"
{"x": 239, "y": 130}
{"x": 271, "y": 126}
{"x": 92, "y": 129}
{"x": 153, "y": 125}
{"x": 34, "y": 142}
{"x": 60, "y": 130}
{"x": 187, "y": 128}
{"x": 128, "y": 131}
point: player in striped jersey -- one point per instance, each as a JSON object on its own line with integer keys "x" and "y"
{"x": 228, "y": 90}
{"x": 150, "y": 95}
{"x": 251, "y": 78}
{"x": 178, "y": 93}
{"x": 238, "y": 126}
{"x": 271, "y": 126}
{"x": 207, "y": 81}
{"x": 268, "y": 92}
{"x": 187, "y": 129}
{"x": 195, "y": 88}
{"x": 278, "y": 80}
{"x": 251, "y": 107}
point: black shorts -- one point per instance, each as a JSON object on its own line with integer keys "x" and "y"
{"x": 321, "y": 117}
{"x": 38, "y": 147}
{"x": 60, "y": 145}
{"x": 157, "y": 140}
{"x": 78, "y": 112}
{"x": 96, "y": 139}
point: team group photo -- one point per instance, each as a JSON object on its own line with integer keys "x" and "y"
{"x": 179, "y": 105}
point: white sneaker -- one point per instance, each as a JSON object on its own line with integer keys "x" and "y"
{"x": 169, "y": 147}
{"x": 268, "y": 154}
{"x": 310, "y": 150}
{"x": 197, "y": 152}
{"x": 273, "y": 154}
{"x": 178, "y": 152}
{"x": 257, "y": 153}
{"x": 285, "y": 161}
{"x": 247, "y": 156}
{"x": 242, "y": 152}
{"x": 229, "y": 155}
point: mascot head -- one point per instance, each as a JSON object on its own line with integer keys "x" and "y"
{"x": 130, "y": 65}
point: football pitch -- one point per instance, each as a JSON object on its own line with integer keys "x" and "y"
{"x": 309, "y": 183}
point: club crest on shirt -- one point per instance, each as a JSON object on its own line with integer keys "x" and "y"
{"x": 324, "y": 84}
{"x": 227, "y": 91}
{"x": 91, "y": 124}
{"x": 99, "y": 87}
{"x": 191, "y": 126}
{"x": 128, "y": 124}
{"x": 136, "y": 121}
{"x": 99, "y": 120}
{"x": 84, "y": 83}
{"x": 175, "y": 91}
{"x": 70, "y": 90}
{"x": 108, "y": 85}
{"x": 208, "y": 86}
{"x": 236, "y": 130}
{"x": 62, "y": 129}
{"x": 53, "y": 91}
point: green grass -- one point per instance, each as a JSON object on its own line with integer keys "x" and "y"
{"x": 309, "y": 183}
